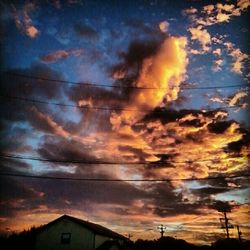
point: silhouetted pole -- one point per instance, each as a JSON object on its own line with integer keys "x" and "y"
{"x": 226, "y": 224}
{"x": 162, "y": 230}
{"x": 239, "y": 233}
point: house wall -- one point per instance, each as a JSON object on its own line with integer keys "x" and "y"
{"x": 50, "y": 237}
{"x": 99, "y": 239}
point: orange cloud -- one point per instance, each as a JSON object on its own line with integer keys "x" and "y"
{"x": 189, "y": 11}
{"x": 23, "y": 21}
{"x": 235, "y": 99}
{"x": 202, "y": 36}
{"x": 163, "y": 72}
{"x": 238, "y": 57}
{"x": 164, "y": 26}
{"x": 243, "y": 4}
{"x": 60, "y": 54}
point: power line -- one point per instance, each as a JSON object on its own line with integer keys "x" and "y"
{"x": 11, "y": 156}
{"x": 97, "y": 108}
{"x": 120, "y": 180}
{"x": 116, "y": 86}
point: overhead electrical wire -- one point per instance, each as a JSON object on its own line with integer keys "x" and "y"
{"x": 98, "y": 108}
{"x": 71, "y": 161}
{"x": 119, "y": 86}
{"x": 120, "y": 180}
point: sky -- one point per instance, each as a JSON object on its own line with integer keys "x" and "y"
{"x": 131, "y": 91}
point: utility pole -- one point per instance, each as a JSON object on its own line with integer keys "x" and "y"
{"x": 162, "y": 229}
{"x": 225, "y": 225}
{"x": 239, "y": 233}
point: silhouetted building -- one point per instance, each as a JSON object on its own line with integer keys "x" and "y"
{"x": 68, "y": 232}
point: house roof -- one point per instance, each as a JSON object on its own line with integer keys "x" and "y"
{"x": 97, "y": 229}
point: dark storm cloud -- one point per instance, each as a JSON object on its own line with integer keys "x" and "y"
{"x": 178, "y": 208}
{"x": 131, "y": 61}
{"x": 100, "y": 97}
{"x": 65, "y": 150}
{"x": 13, "y": 165}
{"x": 168, "y": 203}
{"x": 221, "y": 206}
{"x": 12, "y": 188}
{"x": 165, "y": 161}
{"x": 15, "y": 110}
{"x": 192, "y": 123}
{"x": 235, "y": 147}
{"x": 209, "y": 191}
{"x": 137, "y": 152}
{"x": 41, "y": 120}
{"x": 65, "y": 194}
{"x": 15, "y": 139}
{"x": 171, "y": 115}
{"x": 94, "y": 192}
{"x": 104, "y": 99}
{"x": 86, "y": 31}
{"x": 219, "y": 127}
{"x": 15, "y": 196}
{"x": 16, "y": 85}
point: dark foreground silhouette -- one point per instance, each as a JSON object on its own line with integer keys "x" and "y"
{"x": 26, "y": 240}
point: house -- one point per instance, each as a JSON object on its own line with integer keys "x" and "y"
{"x": 67, "y": 232}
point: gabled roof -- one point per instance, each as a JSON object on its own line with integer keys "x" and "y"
{"x": 97, "y": 229}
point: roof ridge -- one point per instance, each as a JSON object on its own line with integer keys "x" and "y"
{"x": 97, "y": 228}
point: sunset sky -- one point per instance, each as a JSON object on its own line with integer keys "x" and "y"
{"x": 130, "y": 91}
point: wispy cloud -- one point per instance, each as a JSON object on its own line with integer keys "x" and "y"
{"x": 60, "y": 54}
{"x": 23, "y": 21}
{"x": 202, "y": 36}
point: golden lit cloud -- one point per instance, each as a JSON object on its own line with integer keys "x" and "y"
{"x": 163, "y": 72}
{"x": 202, "y": 36}
{"x": 164, "y": 25}
{"x": 217, "y": 65}
{"x": 235, "y": 99}
{"x": 238, "y": 58}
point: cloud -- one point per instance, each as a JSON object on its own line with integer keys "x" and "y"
{"x": 23, "y": 21}
{"x": 17, "y": 111}
{"x": 190, "y": 11}
{"x": 28, "y": 87}
{"x": 236, "y": 98}
{"x": 221, "y": 17}
{"x": 86, "y": 31}
{"x": 175, "y": 133}
{"x": 16, "y": 196}
{"x": 221, "y": 206}
{"x": 243, "y": 4}
{"x": 45, "y": 123}
{"x": 208, "y": 9}
{"x": 162, "y": 68}
{"x": 217, "y": 52}
{"x": 219, "y": 13}
{"x": 60, "y": 54}
{"x": 239, "y": 58}
{"x": 217, "y": 65}
{"x": 202, "y": 36}
{"x": 164, "y": 25}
